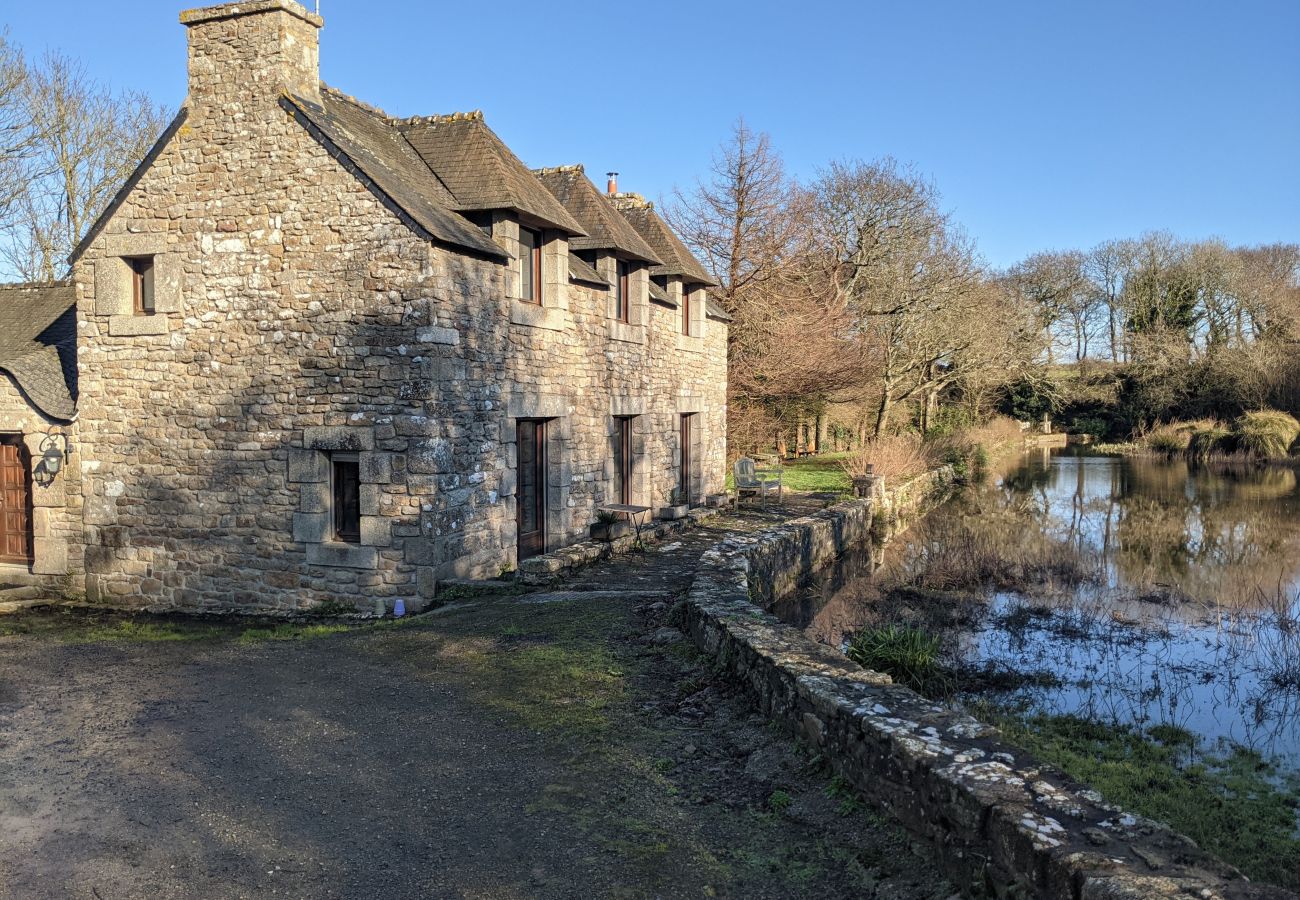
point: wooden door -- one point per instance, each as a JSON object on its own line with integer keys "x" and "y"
{"x": 531, "y": 435}
{"x": 684, "y": 476}
{"x": 15, "y": 503}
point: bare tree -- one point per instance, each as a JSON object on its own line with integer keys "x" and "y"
{"x": 904, "y": 275}
{"x": 79, "y": 142}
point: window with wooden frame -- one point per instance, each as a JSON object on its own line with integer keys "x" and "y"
{"x": 142, "y": 294}
{"x": 622, "y": 296}
{"x": 530, "y": 265}
{"x": 345, "y": 496}
{"x": 623, "y": 459}
{"x": 686, "y": 309}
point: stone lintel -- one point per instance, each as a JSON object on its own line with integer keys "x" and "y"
{"x": 338, "y": 437}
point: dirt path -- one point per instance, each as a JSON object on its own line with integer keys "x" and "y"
{"x": 550, "y": 745}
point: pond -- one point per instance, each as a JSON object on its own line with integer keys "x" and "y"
{"x": 1126, "y": 590}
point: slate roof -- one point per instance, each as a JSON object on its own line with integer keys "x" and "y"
{"x": 382, "y": 154}
{"x": 480, "y": 170}
{"x": 675, "y": 258}
{"x": 659, "y": 295}
{"x": 715, "y": 310}
{"x": 606, "y": 228}
{"x": 38, "y": 344}
{"x": 581, "y": 270}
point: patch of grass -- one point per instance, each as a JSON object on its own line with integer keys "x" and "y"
{"x": 456, "y": 592}
{"x": 1232, "y": 806}
{"x": 292, "y": 631}
{"x": 1210, "y": 441}
{"x": 1266, "y": 434}
{"x": 823, "y": 474}
{"x": 908, "y": 655}
{"x": 779, "y": 802}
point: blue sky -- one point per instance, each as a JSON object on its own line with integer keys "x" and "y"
{"x": 1044, "y": 124}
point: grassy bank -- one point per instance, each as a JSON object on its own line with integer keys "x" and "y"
{"x": 1231, "y": 805}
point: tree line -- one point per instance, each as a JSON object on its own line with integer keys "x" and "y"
{"x": 861, "y": 308}
{"x": 857, "y": 302}
{"x": 1158, "y": 329}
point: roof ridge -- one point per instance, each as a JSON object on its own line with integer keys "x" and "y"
{"x": 551, "y": 170}
{"x": 472, "y": 116}
{"x": 34, "y": 285}
{"x": 631, "y": 199}
{"x": 359, "y": 104}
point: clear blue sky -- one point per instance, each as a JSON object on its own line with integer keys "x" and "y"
{"x": 1046, "y": 124}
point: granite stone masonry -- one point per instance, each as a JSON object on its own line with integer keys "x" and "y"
{"x": 310, "y": 335}
{"x": 1000, "y": 823}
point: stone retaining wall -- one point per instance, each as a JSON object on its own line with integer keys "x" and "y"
{"x": 999, "y": 822}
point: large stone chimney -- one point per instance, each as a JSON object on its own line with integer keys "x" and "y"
{"x": 251, "y": 51}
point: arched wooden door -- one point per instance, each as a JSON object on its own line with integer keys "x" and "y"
{"x": 15, "y": 502}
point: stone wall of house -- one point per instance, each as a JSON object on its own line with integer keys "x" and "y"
{"x": 55, "y": 496}
{"x": 300, "y": 315}
{"x": 998, "y": 822}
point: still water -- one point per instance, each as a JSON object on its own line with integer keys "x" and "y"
{"x": 1123, "y": 589}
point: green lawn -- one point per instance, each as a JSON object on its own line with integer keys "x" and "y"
{"x": 816, "y": 474}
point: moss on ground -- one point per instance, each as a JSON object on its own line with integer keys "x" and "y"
{"x": 81, "y": 626}
{"x": 1234, "y": 805}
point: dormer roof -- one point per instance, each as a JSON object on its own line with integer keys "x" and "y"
{"x": 675, "y": 258}
{"x": 606, "y": 228}
{"x": 480, "y": 171}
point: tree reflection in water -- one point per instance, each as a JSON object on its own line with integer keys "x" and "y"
{"x": 1130, "y": 590}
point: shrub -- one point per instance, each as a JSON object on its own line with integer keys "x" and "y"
{"x": 892, "y": 455}
{"x": 1267, "y": 434}
{"x": 1170, "y": 440}
{"x": 908, "y": 655}
{"x": 1210, "y": 440}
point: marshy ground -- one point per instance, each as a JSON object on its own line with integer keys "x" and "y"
{"x": 499, "y": 748}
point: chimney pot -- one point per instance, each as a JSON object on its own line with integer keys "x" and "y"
{"x": 612, "y": 187}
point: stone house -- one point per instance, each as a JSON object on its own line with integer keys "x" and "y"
{"x": 326, "y": 355}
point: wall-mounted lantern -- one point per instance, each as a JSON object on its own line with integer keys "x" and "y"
{"x": 54, "y": 452}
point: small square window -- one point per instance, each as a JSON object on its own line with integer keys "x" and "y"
{"x": 345, "y": 496}
{"x": 142, "y": 294}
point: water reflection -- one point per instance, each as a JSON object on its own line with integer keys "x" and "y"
{"x": 1130, "y": 589}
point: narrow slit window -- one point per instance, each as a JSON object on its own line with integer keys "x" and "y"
{"x": 345, "y": 476}
{"x": 530, "y": 265}
{"x": 686, "y": 309}
{"x": 621, "y": 295}
{"x": 142, "y": 285}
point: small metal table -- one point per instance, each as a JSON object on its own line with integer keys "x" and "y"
{"x": 630, "y": 513}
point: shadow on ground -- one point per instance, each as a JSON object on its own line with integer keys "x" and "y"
{"x": 501, "y": 747}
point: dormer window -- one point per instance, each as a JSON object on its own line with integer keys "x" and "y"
{"x": 622, "y": 295}
{"x": 142, "y": 285}
{"x": 686, "y": 309}
{"x": 530, "y": 265}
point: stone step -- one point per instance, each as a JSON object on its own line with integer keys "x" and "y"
{"x": 14, "y": 593}
{"x": 8, "y": 607}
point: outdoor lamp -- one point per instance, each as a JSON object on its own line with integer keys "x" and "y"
{"x": 54, "y": 449}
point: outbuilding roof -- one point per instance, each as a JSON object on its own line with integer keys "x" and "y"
{"x": 606, "y": 228}
{"x": 38, "y": 344}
